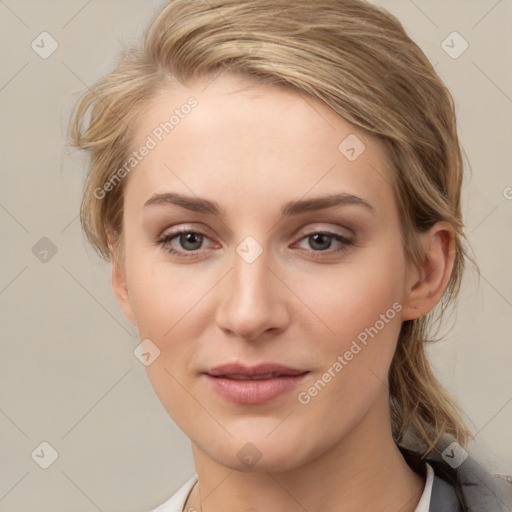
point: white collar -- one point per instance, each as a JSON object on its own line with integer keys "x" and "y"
{"x": 424, "y": 503}
{"x": 176, "y": 502}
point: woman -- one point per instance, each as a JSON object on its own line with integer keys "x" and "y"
{"x": 308, "y": 152}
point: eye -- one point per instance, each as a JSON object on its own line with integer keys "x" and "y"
{"x": 190, "y": 242}
{"x": 322, "y": 241}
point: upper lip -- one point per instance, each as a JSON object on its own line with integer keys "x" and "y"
{"x": 270, "y": 369}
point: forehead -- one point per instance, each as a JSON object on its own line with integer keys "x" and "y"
{"x": 235, "y": 138}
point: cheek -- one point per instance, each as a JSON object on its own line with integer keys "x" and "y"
{"x": 362, "y": 311}
{"x": 359, "y": 297}
{"x": 160, "y": 294}
{"x": 166, "y": 301}
{"x": 360, "y": 301}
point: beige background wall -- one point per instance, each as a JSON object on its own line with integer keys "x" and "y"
{"x": 68, "y": 376}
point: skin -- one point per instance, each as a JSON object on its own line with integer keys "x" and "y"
{"x": 251, "y": 148}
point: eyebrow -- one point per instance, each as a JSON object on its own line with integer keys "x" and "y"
{"x": 201, "y": 205}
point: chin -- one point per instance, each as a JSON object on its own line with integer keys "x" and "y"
{"x": 253, "y": 459}
{"x": 253, "y": 452}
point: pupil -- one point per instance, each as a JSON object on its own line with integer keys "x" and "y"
{"x": 315, "y": 240}
{"x": 191, "y": 238}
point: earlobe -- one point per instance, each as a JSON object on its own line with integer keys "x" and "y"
{"x": 426, "y": 284}
{"x": 119, "y": 285}
{"x": 121, "y": 292}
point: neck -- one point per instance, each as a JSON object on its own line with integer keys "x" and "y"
{"x": 363, "y": 471}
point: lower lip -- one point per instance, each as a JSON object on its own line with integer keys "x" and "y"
{"x": 254, "y": 391}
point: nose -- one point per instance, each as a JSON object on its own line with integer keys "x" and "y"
{"x": 252, "y": 300}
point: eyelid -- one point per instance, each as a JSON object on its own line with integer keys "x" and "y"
{"x": 174, "y": 233}
{"x": 177, "y": 229}
{"x": 300, "y": 234}
{"x": 317, "y": 228}
{"x": 345, "y": 243}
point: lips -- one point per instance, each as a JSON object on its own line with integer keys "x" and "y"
{"x": 265, "y": 370}
{"x": 253, "y": 384}
{"x": 252, "y": 377}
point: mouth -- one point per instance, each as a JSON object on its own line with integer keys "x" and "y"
{"x": 253, "y": 384}
{"x": 235, "y": 376}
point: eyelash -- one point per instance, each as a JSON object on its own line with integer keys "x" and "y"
{"x": 345, "y": 243}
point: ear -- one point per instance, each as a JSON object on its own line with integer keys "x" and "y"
{"x": 426, "y": 283}
{"x": 119, "y": 285}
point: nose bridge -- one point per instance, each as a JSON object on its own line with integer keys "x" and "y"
{"x": 251, "y": 276}
{"x": 251, "y": 301}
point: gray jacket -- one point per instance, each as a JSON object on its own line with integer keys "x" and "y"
{"x": 465, "y": 488}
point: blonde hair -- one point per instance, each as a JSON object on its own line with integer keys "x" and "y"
{"x": 358, "y": 60}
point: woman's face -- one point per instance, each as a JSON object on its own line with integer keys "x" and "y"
{"x": 276, "y": 312}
